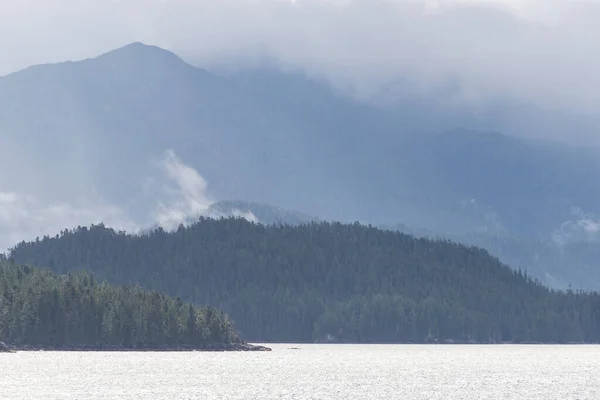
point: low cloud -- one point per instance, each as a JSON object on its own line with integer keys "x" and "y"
{"x": 582, "y": 227}
{"x": 185, "y": 190}
{"x": 179, "y": 192}
{"x": 186, "y": 195}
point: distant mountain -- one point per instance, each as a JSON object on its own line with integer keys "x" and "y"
{"x": 103, "y": 120}
{"x": 269, "y": 137}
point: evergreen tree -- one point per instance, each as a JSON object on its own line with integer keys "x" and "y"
{"x": 310, "y": 282}
{"x": 38, "y": 307}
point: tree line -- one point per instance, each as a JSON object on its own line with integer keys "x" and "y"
{"x": 329, "y": 281}
{"x": 41, "y": 308}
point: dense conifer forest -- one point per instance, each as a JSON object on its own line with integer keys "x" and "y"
{"x": 40, "y": 308}
{"x": 328, "y": 281}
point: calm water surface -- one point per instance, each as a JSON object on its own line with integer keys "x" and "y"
{"x": 310, "y": 372}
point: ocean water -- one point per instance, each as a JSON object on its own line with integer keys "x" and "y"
{"x": 310, "y": 372}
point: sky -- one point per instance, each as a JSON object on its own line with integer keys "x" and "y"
{"x": 542, "y": 52}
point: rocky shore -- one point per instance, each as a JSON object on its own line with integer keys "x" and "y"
{"x": 208, "y": 347}
{"x": 4, "y": 348}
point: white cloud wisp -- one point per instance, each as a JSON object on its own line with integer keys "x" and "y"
{"x": 181, "y": 197}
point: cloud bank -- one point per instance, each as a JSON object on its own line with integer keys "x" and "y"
{"x": 541, "y": 52}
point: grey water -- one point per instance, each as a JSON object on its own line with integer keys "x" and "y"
{"x": 310, "y": 372}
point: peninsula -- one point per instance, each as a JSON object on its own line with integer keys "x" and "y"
{"x": 41, "y": 310}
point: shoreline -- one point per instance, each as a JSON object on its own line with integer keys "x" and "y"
{"x": 237, "y": 347}
{"x": 434, "y": 343}
{"x": 178, "y": 348}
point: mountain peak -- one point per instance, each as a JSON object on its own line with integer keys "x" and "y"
{"x": 140, "y": 48}
{"x": 138, "y": 52}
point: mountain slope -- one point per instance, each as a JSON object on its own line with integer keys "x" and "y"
{"x": 95, "y": 128}
{"x": 319, "y": 281}
{"x": 556, "y": 264}
{"x": 274, "y": 138}
{"x": 114, "y": 114}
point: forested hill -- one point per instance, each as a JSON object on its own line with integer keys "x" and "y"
{"x": 41, "y": 309}
{"x": 329, "y": 281}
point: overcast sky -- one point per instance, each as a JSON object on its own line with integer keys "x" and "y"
{"x": 546, "y": 51}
